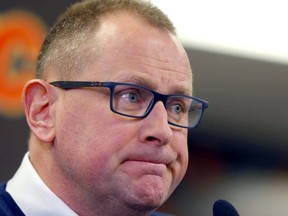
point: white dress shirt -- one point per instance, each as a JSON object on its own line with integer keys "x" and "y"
{"x": 32, "y": 195}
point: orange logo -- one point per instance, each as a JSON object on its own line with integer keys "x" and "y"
{"x": 21, "y": 37}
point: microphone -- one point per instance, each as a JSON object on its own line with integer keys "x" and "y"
{"x": 224, "y": 208}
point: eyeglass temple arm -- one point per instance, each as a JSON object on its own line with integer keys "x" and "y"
{"x": 73, "y": 84}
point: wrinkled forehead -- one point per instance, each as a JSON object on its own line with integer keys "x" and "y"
{"x": 125, "y": 46}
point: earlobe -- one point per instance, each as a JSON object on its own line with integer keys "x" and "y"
{"x": 38, "y": 99}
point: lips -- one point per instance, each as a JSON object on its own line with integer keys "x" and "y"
{"x": 148, "y": 164}
{"x": 140, "y": 168}
{"x": 154, "y": 158}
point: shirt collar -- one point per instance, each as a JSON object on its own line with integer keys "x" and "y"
{"x": 32, "y": 195}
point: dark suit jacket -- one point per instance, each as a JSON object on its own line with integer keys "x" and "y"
{"x": 8, "y": 207}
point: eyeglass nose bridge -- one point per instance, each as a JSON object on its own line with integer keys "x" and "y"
{"x": 156, "y": 98}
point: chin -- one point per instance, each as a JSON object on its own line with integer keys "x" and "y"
{"x": 148, "y": 197}
{"x": 145, "y": 204}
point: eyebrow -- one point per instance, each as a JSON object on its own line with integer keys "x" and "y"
{"x": 142, "y": 81}
{"x": 184, "y": 91}
{"x": 138, "y": 80}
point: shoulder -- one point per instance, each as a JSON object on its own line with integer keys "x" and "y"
{"x": 7, "y": 204}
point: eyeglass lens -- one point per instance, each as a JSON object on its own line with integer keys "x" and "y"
{"x": 135, "y": 101}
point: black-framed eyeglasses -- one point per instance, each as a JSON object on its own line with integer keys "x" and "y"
{"x": 136, "y": 101}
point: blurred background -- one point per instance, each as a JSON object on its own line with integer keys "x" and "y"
{"x": 239, "y": 56}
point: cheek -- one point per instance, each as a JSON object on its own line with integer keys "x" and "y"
{"x": 87, "y": 141}
{"x": 78, "y": 132}
{"x": 180, "y": 166}
{"x": 184, "y": 160}
{"x": 81, "y": 119}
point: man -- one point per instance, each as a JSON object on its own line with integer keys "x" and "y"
{"x": 108, "y": 114}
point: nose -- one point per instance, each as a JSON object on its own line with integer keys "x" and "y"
{"x": 155, "y": 127}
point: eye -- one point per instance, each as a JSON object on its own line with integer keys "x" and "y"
{"x": 177, "y": 108}
{"x": 177, "y": 105}
{"x": 130, "y": 97}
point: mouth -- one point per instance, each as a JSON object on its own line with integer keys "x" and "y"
{"x": 143, "y": 162}
{"x": 144, "y": 167}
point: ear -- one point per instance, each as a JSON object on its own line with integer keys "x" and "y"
{"x": 39, "y": 99}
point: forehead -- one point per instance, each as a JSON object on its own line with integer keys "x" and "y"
{"x": 130, "y": 50}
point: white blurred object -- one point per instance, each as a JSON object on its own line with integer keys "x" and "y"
{"x": 250, "y": 28}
